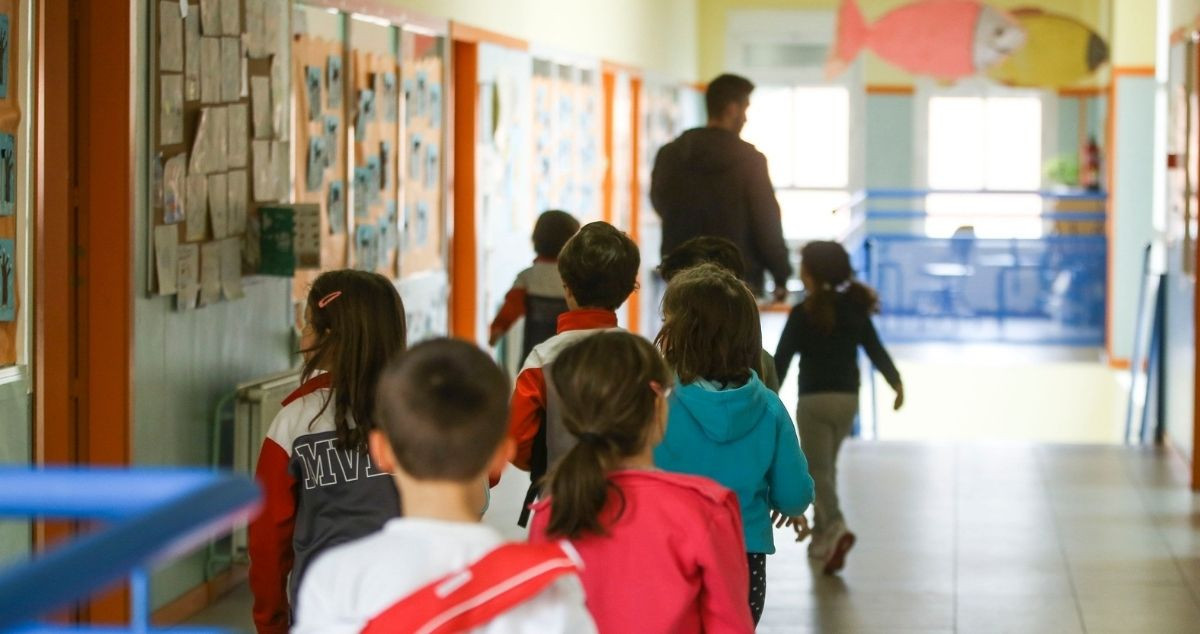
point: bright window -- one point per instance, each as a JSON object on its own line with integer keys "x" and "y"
{"x": 804, "y": 131}
{"x": 985, "y": 143}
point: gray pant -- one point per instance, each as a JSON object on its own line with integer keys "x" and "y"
{"x": 825, "y": 420}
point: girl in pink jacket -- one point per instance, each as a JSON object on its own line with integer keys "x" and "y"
{"x": 662, "y": 552}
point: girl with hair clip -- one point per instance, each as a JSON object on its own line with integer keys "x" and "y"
{"x": 662, "y": 552}
{"x": 725, "y": 424}
{"x": 826, "y": 330}
{"x": 319, "y": 484}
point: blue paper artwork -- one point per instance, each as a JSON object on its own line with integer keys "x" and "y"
{"x": 388, "y": 238}
{"x": 8, "y": 277}
{"x": 8, "y": 174}
{"x": 4, "y": 40}
{"x": 389, "y": 96}
{"x": 318, "y": 160}
{"x": 362, "y": 193}
{"x": 312, "y": 82}
{"x": 366, "y": 247}
{"x": 422, "y": 94}
{"x": 431, "y": 166}
{"x": 435, "y": 105}
{"x": 333, "y": 80}
{"x": 366, "y": 113}
{"x": 331, "y": 140}
{"x": 410, "y": 94}
{"x": 414, "y": 159}
{"x": 335, "y": 206}
{"x": 422, "y": 224}
{"x": 376, "y": 172}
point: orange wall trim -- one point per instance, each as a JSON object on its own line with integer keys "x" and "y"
{"x": 889, "y": 89}
{"x": 463, "y": 249}
{"x": 198, "y": 598}
{"x": 608, "y": 80}
{"x": 1119, "y": 71}
{"x": 381, "y": 9}
{"x": 1119, "y": 364}
{"x": 635, "y": 192}
{"x": 475, "y": 35}
{"x": 1083, "y": 91}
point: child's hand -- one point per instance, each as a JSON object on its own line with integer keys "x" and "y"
{"x": 899, "y": 397}
{"x": 798, "y": 523}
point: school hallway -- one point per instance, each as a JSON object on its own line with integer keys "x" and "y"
{"x": 970, "y": 537}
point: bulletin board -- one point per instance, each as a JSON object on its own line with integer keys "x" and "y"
{"x": 10, "y": 118}
{"x": 567, "y": 138}
{"x": 425, "y": 159}
{"x": 321, "y": 149}
{"x": 220, "y": 138}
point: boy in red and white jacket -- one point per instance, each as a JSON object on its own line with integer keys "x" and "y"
{"x": 438, "y": 569}
{"x": 599, "y": 267}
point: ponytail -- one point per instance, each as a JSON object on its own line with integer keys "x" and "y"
{"x": 608, "y": 403}
{"x": 828, "y": 266}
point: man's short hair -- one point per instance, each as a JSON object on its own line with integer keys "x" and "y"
{"x": 551, "y": 232}
{"x": 600, "y": 265}
{"x": 444, "y": 407}
{"x": 724, "y": 90}
{"x": 703, "y": 250}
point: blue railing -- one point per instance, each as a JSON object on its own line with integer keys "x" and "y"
{"x": 1046, "y": 290}
{"x": 145, "y": 516}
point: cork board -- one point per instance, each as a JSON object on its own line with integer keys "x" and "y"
{"x": 424, "y": 157}
{"x": 320, "y": 149}
{"x": 10, "y": 118}
{"x": 567, "y": 136}
{"x": 375, "y": 101}
{"x": 219, "y": 133}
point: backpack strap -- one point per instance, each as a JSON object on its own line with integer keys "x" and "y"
{"x": 498, "y": 582}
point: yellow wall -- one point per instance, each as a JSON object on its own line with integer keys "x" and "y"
{"x": 712, "y": 19}
{"x": 656, "y": 35}
{"x": 1134, "y": 24}
{"x": 1184, "y": 13}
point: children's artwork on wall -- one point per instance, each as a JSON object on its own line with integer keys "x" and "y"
{"x": 432, "y": 166}
{"x": 567, "y": 129}
{"x": 332, "y": 123}
{"x": 197, "y": 206}
{"x": 334, "y": 70}
{"x": 239, "y": 135}
{"x": 174, "y": 192}
{"x": 414, "y": 158}
{"x": 421, "y": 231}
{"x": 166, "y": 258}
{"x": 191, "y": 56}
{"x": 374, "y": 180}
{"x": 388, "y": 227}
{"x": 362, "y": 186}
{"x": 366, "y": 247}
{"x": 8, "y": 280}
{"x": 218, "y": 205}
{"x": 187, "y": 276}
{"x": 410, "y": 100}
{"x": 231, "y": 269}
{"x": 210, "y": 273}
{"x": 387, "y": 165}
{"x": 260, "y": 106}
{"x": 337, "y": 207}
{"x": 210, "y": 69}
{"x": 308, "y": 236}
{"x": 387, "y": 92}
{"x": 170, "y": 115}
{"x": 312, "y": 82}
{"x": 231, "y": 69}
{"x": 316, "y": 163}
{"x": 170, "y": 39}
{"x": 8, "y": 174}
{"x": 239, "y": 194}
{"x": 943, "y": 39}
{"x": 210, "y": 16}
{"x": 1059, "y": 51}
{"x": 231, "y": 15}
{"x": 365, "y": 113}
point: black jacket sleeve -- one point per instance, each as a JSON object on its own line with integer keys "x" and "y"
{"x": 766, "y": 226}
{"x": 870, "y": 342}
{"x": 789, "y": 344}
{"x": 657, "y": 178}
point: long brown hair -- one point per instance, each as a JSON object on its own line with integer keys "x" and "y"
{"x": 828, "y": 264}
{"x": 358, "y": 319}
{"x": 606, "y": 384}
{"x": 711, "y": 329}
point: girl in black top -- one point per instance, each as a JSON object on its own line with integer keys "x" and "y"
{"x": 826, "y": 329}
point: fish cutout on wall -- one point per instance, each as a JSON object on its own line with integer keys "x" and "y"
{"x": 945, "y": 39}
{"x": 1059, "y": 51}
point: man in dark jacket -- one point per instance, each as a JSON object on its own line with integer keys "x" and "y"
{"x": 709, "y": 182}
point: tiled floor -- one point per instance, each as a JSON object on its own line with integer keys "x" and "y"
{"x": 984, "y": 538}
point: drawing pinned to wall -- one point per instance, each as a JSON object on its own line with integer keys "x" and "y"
{"x": 170, "y": 114}
{"x": 1059, "y": 51}
{"x": 410, "y": 100}
{"x": 8, "y": 280}
{"x": 422, "y": 228}
{"x": 218, "y": 205}
{"x": 312, "y": 82}
{"x": 387, "y": 92}
{"x": 231, "y": 17}
{"x": 362, "y": 186}
{"x": 210, "y": 16}
{"x": 239, "y": 194}
{"x": 210, "y": 69}
{"x": 388, "y": 227}
{"x": 387, "y": 165}
{"x": 432, "y": 164}
{"x": 210, "y": 273}
{"x": 365, "y": 113}
{"x": 944, "y": 39}
{"x": 318, "y": 159}
{"x": 414, "y": 158}
{"x": 8, "y": 174}
{"x": 231, "y": 269}
{"x": 174, "y": 188}
{"x": 435, "y": 105}
{"x": 374, "y": 183}
{"x": 187, "y": 276}
{"x": 166, "y": 258}
{"x": 170, "y": 39}
{"x": 197, "y": 206}
{"x": 239, "y": 135}
{"x": 231, "y": 68}
{"x": 308, "y": 236}
{"x": 332, "y": 123}
{"x": 366, "y": 247}
{"x": 191, "y": 56}
{"x": 337, "y": 207}
{"x": 260, "y": 106}
{"x": 334, "y": 70}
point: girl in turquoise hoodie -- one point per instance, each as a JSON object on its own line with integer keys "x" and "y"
{"x": 725, "y": 424}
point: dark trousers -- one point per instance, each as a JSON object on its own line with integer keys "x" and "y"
{"x": 758, "y": 583}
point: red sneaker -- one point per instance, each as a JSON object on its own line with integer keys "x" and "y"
{"x": 841, "y": 544}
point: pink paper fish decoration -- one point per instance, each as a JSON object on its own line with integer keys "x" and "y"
{"x": 946, "y": 39}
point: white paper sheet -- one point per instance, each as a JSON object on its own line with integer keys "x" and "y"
{"x": 210, "y": 16}
{"x": 187, "y": 276}
{"x": 239, "y": 134}
{"x": 191, "y": 56}
{"x": 197, "y": 206}
{"x": 231, "y": 68}
{"x": 210, "y": 273}
{"x": 239, "y": 195}
{"x": 170, "y": 113}
{"x": 166, "y": 257}
{"x": 231, "y": 268}
{"x": 231, "y": 14}
{"x": 218, "y": 204}
{"x": 210, "y": 69}
{"x": 260, "y": 105}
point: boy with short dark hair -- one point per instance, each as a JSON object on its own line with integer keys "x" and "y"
{"x": 537, "y": 294}
{"x": 599, "y": 268}
{"x": 439, "y": 430}
{"x": 725, "y": 254}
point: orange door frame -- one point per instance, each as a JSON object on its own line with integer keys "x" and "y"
{"x": 463, "y": 241}
{"x": 635, "y": 193}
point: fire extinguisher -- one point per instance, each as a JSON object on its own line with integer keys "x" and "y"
{"x": 1089, "y": 173}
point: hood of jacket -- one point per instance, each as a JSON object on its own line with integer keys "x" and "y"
{"x": 725, "y": 415}
{"x": 709, "y": 149}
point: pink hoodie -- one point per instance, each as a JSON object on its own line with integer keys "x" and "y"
{"x": 674, "y": 560}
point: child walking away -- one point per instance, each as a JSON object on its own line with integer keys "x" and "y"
{"x": 537, "y": 294}
{"x": 662, "y": 552}
{"x": 320, "y": 487}
{"x": 725, "y": 254}
{"x": 599, "y": 267}
{"x": 724, "y": 423}
{"x": 439, "y": 431}
{"x": 826, "y": 330}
